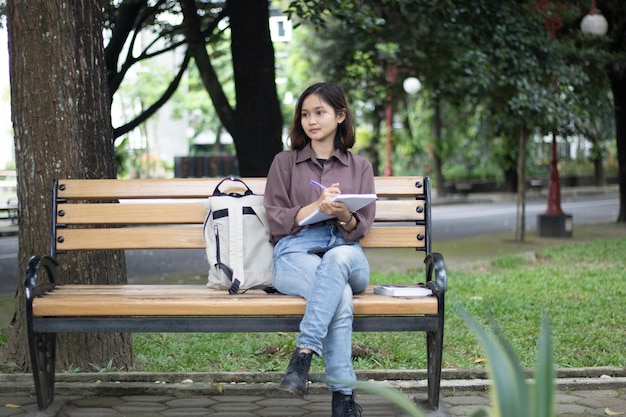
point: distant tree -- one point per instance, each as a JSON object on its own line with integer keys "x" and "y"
{"x": 497, "y": 54}
{"x": 255, "y": 120}
{"x": 615, "y": 12}
{"x": 62, "y": 124}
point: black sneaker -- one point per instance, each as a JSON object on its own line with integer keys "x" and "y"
{"x": 344, "y": 405}
{"x": 297, "y": 377}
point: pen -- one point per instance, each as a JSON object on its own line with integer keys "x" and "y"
{"x": 317, "y": 184}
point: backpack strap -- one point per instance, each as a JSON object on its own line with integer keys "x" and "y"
{"x": 235, "y": 228}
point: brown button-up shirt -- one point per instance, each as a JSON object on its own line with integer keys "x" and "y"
{"x": 288, "y": 188}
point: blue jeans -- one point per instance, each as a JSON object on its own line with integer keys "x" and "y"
{"x": 327, "y": 284}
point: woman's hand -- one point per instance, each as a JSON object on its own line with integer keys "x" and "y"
{"x": 325, "y": 205}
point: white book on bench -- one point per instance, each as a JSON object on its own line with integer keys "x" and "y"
{"x": 403, "y": 290}
{"x": 353, "y": 201}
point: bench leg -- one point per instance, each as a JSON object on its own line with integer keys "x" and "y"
{"x": 42, "y": 357}
{"x": 434, "y": 342}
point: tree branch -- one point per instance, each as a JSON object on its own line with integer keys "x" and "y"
{"x": 171, "y": 89}
{"x": 196, "y": 40}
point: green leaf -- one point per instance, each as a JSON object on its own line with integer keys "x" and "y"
{"x": 509, "y": 390}
{"x": 543, "y": 401}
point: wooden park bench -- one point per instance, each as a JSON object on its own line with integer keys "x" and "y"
{"x": 169, "y": 214}
{"x": 9, "y": 211}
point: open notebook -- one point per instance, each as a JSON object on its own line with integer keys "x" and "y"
{"x": 353, "y": 201}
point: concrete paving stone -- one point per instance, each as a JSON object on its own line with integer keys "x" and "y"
{"x": 281, "y": 412}
{"x": 598, "y": 393}
{"x": 566, "y": 397}
{"x": 95, "y": 402}
{"x": 70, "y": 411}
{"x": 12, "y": 409}
{"x": 464, "y": 410}
{"x": 131, "y": 414}
{"x": 287, "y": 402}
{"x": 573, "y": 415}
{"x": 236, "y": 398}
{"x": 192, "y": 402}
{"x": 54, "y": 410}
{"x": 467, "y": 399}
{"x": 7, "y": 412}
{"x": 148, "y": 398}
{"x": 231, "y": 414}
{"x": 317, "y": 406}
{"x": 572, "y": 409}
{"x": 603, "y": 402}
{"x": 21, "y": 401}
{"x": 185, "y": 412}
{"x": 236, "y": 406}
{"x": 139, "y": 406}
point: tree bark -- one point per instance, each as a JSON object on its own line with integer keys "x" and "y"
{"x": 62, "y": 126}
{"x": 618, "y": 86}
{"x": 258, "y": 123}
{"x": 520, "y": 224}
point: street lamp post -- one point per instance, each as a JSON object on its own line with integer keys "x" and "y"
{"x": 411, "y": 85}
{"x": 392, "y": 72}
{"x": 555, "y": 223}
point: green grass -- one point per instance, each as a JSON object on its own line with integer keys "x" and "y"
{"x": 580, "y": 282}
{"x": 581, "y": 286}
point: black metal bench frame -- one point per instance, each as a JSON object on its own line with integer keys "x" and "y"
{"x": 42, "y": 330}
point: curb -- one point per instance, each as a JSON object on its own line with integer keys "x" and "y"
{"x": 251, "y": 383}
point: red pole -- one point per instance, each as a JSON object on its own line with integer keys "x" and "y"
{"x": 554, "y": 188}
{"x": 391, "y": 78}
{"x": 388, "y": 111}
{"x": 553, "y": 24}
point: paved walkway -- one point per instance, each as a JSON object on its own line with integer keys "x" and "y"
{"x": 594, "y": 392}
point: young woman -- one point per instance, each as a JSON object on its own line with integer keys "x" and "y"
{"x": 300, "y": 181}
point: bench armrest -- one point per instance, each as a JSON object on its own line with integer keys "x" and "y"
{"x": 436, "y": 275}
{"x": 34, "y": 267}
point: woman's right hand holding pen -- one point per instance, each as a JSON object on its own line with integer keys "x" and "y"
{"x": 323, "y": 203}
{"x": 327, "y": 206}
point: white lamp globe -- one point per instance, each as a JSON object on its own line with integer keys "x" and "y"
{"x": 594, "y": 24}
{"x": 411, "y": 85}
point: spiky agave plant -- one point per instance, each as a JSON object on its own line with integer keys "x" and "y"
{"x": 511, "y": 394}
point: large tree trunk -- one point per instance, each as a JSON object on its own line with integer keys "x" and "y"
{"x": 618, "y": 85}
{"x": 258, "y": 122}
{"x": 62, "y": 124}
{"x": 520, "y": 224}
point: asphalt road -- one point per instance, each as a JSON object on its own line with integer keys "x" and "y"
{"x": 449, "y": 222}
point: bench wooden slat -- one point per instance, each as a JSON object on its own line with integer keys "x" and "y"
{"x": 199, "y": 188}
{"x": 195, "y": 213}
{"x": 139, "y": 213}
{"x": 126, "y": 300}
{"x": 191, "y": 237}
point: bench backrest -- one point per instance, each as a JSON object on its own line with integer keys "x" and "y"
{"x": 169, "y": 213}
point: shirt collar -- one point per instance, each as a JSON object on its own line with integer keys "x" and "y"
{"x": 307, "y": 153}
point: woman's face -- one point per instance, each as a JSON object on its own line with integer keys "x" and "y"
{"x": 318, "y": 119}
